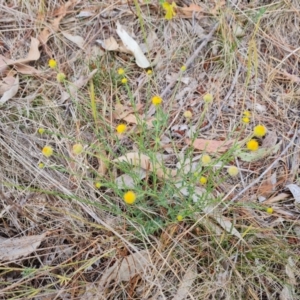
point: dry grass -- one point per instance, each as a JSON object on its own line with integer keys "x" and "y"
{"x": 97, "y": 247}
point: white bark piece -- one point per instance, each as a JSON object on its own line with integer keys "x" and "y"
{"x": 132, "y": 45}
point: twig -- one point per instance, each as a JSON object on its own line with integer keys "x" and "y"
{"x": 234, "y": 81}
{"x": 191, "y": 59}
{"x": 238, "y": 195}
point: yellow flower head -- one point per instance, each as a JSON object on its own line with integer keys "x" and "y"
{"x": 121, "y": 71}
{"x": 260, "y": 130}
{"x": 203, "y": 180}
{"x": 206, "y": 159}
{"x": 183, "y": 68}
{"x": 41, "y": 130}
{"x": 77, "y": 149}
{"x": 47, "y": 151}
{"x": 149, "y": 72}
{"x": 247, "y": 113}
{"x": 252, "y": 145}
{"x": 52, "y": 63}
{"x": 170, "y": 10}
{"x": 60, "y": 77}
{"x": 245, "y": 120}
{"x": 97, "y": 185}
{"x": 129, "y": 197}
{"x": 179, "y": 218}
{"x": 41, "y": 165}
{"x": 121, "y": 128}
{"x": 188, "y": 114}
{"x": 233, "y": 171}
{"x": 124, "y": 80}
{"x": 156, "y": 100}
{"x": 270, "y": 210}
{"x": 208, "y": 98}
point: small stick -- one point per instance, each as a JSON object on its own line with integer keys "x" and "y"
{"x": 234, "y": 81}
{"x": 238, "y": 195}
{"x": 191, "y": 59}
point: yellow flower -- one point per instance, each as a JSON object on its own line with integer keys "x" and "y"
{"x": 124, "y": 80}
{"x": 206, "y": 159}
{"x": 245, "y": 120}
{"x": 156, "y": 100}
{"x": 179, "y": 218}
{"x": 260, "y": 130}
{"x": 203, "y": 180}
{"x": 129, "y": 197}
{"x": 149, "y": 72}
{"x": 97, "y": 185}
{"x": 41, "y": 165}
{"x": 41, "y": 130}
{"x": 208, "y": 98}
{"x": 121, "y": 128}
{"x": 233, "y": 171}
{"x": 77, "y": 149}
{"x": 270, "y": 210}
{"x": 52, "y": 63}
{"x": 121, "y": 71}
{"x": 252, "y": 145}
{"x": 60, "y": 77}
{"x": 170, "y": 11}
{"x": 183, "y": 68}
{"x": 188, "y": 114}
{"x": 47, "y": 151}
{"x": 247, "y": 113}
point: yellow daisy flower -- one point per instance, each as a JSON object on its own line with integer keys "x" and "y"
{"x": 156, "y": 100}
{"x": 259, "y": 130}
{"x": 47, "y": 151}
{"x": 252, "y": 145}
{"x": 169, "y": 9}
{"x": 129, "y": 197}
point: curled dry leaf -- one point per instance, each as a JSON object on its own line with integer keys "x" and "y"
{"x": 76, "y": 85}
{"x": 109, "y": 44}
{"x": 130, "y": 266}
{"x": 143, "y": 161}
{"x": 295, "y": 190}
{"x": 222, "y": 221}
{"x": 18, "y": 247}
{"x": 12, "y": 91}
{"x": 127, "y": 181}
{"x": 211, "y": 146}
{"x": 132, "y": 45}
{"x": 76, "y": 39}
{"x": 186, "y": 283}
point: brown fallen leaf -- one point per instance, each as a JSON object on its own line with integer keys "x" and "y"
{"x": 211, "y": 146}
{"x": 61, "y": 12}
{"x": 132, "y": 119}
{"x": 14, "y": 248}
{"x": 6, "y": 83}
{"x": 189, "y": 11}
{"x": 33, "y": 55}
{"x": 143, "y": 161}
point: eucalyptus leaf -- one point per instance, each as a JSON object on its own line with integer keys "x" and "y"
{"x": 257, "y": 155}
